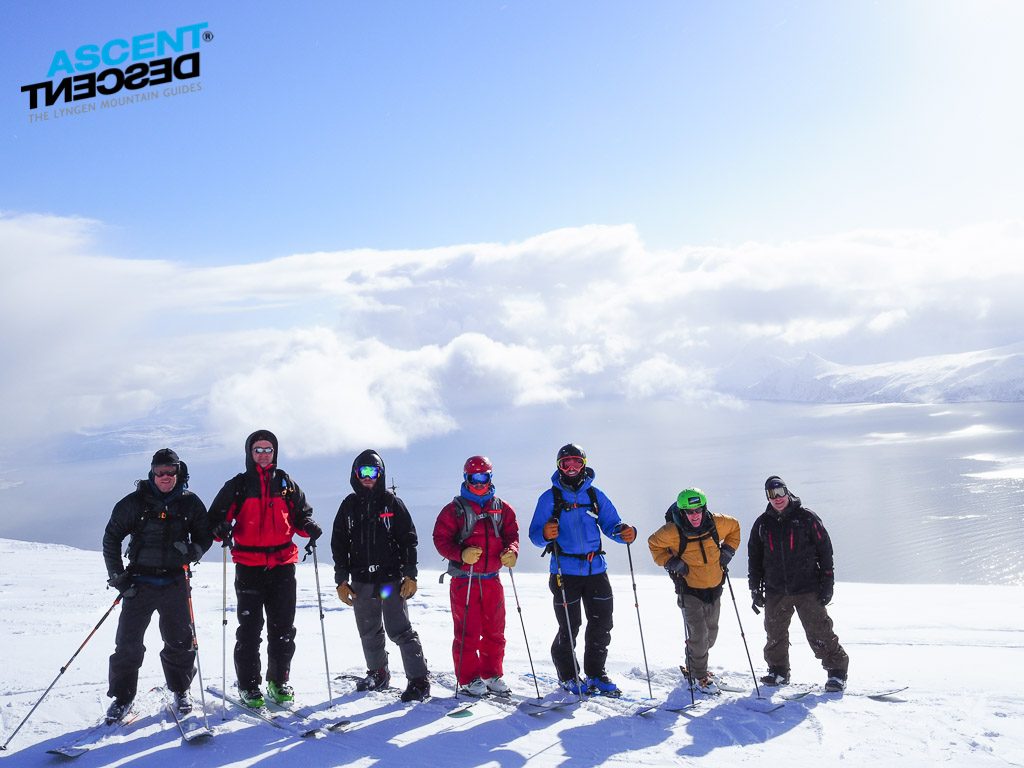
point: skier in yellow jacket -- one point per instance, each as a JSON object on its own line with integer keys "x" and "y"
{"x": 695, "y": 547}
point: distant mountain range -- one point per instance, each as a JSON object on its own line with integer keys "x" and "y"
{"x": 985, "y": 375}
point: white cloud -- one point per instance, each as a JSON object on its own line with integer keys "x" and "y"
{"x": 343, "y": 349}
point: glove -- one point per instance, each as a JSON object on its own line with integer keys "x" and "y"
{"x": 190, "y": 553}
{"x": 677, "y": 566}
{"x": 313, "y": 530}
{"x": 551, "y": 530}
{"x": 408, "y": 587}
{"x": 626, "y": 532}
{"x": 508, "y": 558}
{"x": 222, "y": 531}
{"x": 757, "y": 596}
{"x": 123, "y": 583}
{"x": 725, "y": 556}
{"x": 825, "y": 593}
{"x": 471, "y": 554}
{"x": 346, "y": 595}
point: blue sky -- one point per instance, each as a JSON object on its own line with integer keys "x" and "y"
{"x": 340, "y": 125}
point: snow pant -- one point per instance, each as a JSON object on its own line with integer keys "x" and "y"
{"x": 701, "y": 629}
{"x": 269, "y": 590}
{"x": 594, "y": 592}
{"x": 378, "y": 607}
{"x": 178, "y": 656}
{"x": 778, "y": 612}
{"x": 481, "y": 623}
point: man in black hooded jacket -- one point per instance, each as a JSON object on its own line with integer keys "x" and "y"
{"x": 789, "y": 568}
{"x": 374, "y": 546}
{"x": 169, "y": 529}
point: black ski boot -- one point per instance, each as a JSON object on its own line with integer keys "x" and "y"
{"x": 182, "y": 702}
{"x": 776, "y": 676}
{"x": 117, "y": 710}
{"x": 375, "y": 680}
{"x": 417, "y": 690}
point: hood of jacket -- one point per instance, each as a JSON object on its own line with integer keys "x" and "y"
{"x": 260, "y": 434}
{"x": 368, "y": 458}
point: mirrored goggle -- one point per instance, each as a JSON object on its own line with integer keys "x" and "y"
{"x": 479, "y": 478}
{"x": 165, "y": 473}
{"x": 262, "y": 450}
{"x": 369, "y": 473}
{"x": 778, "y": 492}
{"x": 571, "y": 462}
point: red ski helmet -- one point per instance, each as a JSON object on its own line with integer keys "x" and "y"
{"x": 477, "y": 464}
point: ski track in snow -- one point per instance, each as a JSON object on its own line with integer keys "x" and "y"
{"x": 53, "y": 596}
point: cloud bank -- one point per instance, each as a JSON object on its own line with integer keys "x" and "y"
{"x": 337, "y": 350}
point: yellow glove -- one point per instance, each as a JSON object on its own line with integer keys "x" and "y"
{"x": 408, "y": 588}
{"x": 345, "y": 594}
{"x": 471, "y": 554}
{"x": 508, "y": 558}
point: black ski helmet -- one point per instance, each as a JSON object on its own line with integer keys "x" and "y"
{"x": 571, "y": 449}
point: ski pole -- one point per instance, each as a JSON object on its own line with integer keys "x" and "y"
{"x": 323, "y": 632}
{"x": 63, "y": 669}
{"x": 742, "y": 635}
{"x": 525, "y": 639}
{"x": 195, "y": 641}
{"x": 224, "y": 633}
{"x": 686, "y": 647}
{"x": 636, "y": 602}
{"x": 465, "y": 621}
{"x": 568, "y": 624}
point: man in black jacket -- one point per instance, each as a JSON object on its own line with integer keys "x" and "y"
{"x": 789, "y": 568}
{"x": 169, "y": 529}
{"x": 374, "y": 546}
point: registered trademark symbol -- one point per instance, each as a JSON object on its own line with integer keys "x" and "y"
{"x": 207, "y": 36}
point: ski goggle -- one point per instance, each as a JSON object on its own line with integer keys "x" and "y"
{"x": 262, "y": 450}
{"x": 571, "y": 462}
{"x": 166, "y": 473}
{"x": 777, "y": 492}
{"x": 479, "y": 478}
{"x": 369, "y": 473}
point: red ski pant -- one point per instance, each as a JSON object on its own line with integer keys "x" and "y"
{"x": 481, "y": 621}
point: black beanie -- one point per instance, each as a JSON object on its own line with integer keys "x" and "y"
{"x": 164, "y": 456}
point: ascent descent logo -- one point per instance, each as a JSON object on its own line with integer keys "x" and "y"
{"x": 144, "y": 61}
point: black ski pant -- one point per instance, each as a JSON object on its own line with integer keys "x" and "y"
{"x": 269, "y": 591}
{"x": 178, "y": 656}
{"x": 379, "y": 607}
{"x": 592, "y": 594}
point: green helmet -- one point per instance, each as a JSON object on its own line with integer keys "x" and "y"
{"x": 692, "y": 498}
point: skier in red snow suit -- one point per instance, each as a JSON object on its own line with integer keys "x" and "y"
{"x": 477, "y": 532}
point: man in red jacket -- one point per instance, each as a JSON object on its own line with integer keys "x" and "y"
{"x": 478, "y": 533}
{"x": 257, "y": 513}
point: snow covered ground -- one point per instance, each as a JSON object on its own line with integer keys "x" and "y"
{"x": 959, "y": 648}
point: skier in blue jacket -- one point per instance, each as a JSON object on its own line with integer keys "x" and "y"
{"x": 568, "y": 522}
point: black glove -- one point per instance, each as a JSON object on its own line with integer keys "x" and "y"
{"x": 190, "y": 553}
{"x": 725, "y": 556}
{"x": 123, "y": 583}
{"x": 677, "y": 566}
{"x": 825, "y": 593}
{"x": 313, "y": 530}
{"x": 222, "y": 531}
{"x": 757, "y": 595}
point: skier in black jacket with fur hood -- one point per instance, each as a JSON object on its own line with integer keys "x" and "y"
{"x": 169, "y": 529}
{"x": 374, "y": 547}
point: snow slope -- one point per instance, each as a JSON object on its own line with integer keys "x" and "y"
{"x": 959, "y": 648}
{"x": 992, "y": 375}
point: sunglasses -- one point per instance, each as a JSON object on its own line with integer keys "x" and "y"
{"x": 166, "y": 473}
{"x": 778, "y": 492}
{"x": 479, "y": 478}
{"x": 262, "y": 450}
{"x": 369, "y": 473}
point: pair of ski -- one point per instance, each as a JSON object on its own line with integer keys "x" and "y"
{"x": 298, "y": 721}
{"x": 189, "y": 726}
{"x": 799, "y": 692}
{"x": 618, "y": 704}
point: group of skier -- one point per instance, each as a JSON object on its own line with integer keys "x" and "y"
{"x": 374, "y": 545}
